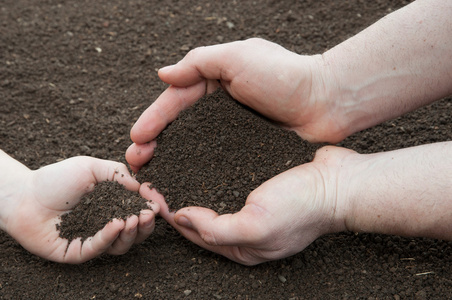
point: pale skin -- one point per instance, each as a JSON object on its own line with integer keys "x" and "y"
{"x": 31, "y": 202}
{"x": 398, "y": 64}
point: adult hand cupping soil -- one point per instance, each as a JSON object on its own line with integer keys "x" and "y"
{"x": 280, "y": 218}
{"x": 384, "y": 71}
{"x": 281, "y": 89}
{"x": 32, "y": 201}
{"x": 404, "y": 192}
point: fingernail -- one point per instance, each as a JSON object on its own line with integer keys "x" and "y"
{"x": 183, "y": 221}
{"x": 147, "y": 223}
{"x": 167, "y": 68}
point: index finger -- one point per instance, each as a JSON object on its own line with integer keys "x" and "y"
{"x": 217, "y": 62}
{"x": 165, "y": 110}
{"x": 190, "y": 79}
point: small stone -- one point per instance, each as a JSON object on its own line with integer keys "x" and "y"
{"x": 187, "y": 292}
{"x": 421, "y": 295}
{"x": 282, "y": 278}
{"x": 185, "y": 48}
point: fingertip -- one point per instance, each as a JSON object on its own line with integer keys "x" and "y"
{"x": 126, "y": 237}
{"x": 103, "y": 239}
{"x": 114, "y": 227}
{"x": 145, "y": 190}
{"x": 123, "y": 177}
{"x": 183, "y": 221}
{"x": 131, "y": 222}
{"x": 162, "y": 72}
{"x": 180, "y": 77}
{"x": 191, "y": 217}
{"x": 196, "y": 211}
{"x": 149, "y": 193}
{"x": 146, "y": 128}
{"x": 135, "y": 169}
{"x": 146, "y": 225}
{"x": 136, "y": 132}
{"x": 146, "y": 218}
{"x": 139, "y": 154}
{"x": 130, "y": 156}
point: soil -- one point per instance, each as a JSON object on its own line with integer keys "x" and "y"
{"x": 76, "y": 75}
{"x": 217, "y": 152}
{"x": 109, "y": 200}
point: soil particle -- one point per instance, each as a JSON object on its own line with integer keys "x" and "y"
{"x": 217, "y": 152}
{"x": 109, "y": 200}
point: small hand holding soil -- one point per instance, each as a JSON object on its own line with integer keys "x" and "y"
{"x": 109, "y": 200}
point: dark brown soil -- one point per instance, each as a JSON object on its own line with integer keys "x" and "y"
{"x": 217, "y": 152}
{"x": 109, "y": 200}
{"x": 75, "y": 76}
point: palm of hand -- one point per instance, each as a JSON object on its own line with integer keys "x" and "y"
{"x": 52, "y": 191}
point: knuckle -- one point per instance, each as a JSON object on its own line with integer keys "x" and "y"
{"x": 255, "y": 40}
{"x": 194, "y": 53}
{"x": 208, "y": 237}
{"x": 259, "y": 42}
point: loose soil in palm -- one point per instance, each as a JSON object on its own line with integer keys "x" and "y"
{"x": 109, "y": 200}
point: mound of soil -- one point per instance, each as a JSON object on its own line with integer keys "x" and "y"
{"x": 109, "y": 200}
{"x": 218, "y": 151}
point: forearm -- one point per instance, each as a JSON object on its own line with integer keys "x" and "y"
{"x": 400, "y": 63}
{"x": 405, "y": 192}
{"x": 12, "y": 173}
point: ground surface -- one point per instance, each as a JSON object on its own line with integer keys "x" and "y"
{"x": 75, "y": 75}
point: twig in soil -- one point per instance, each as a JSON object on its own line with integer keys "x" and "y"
{"x": 425, "y": 273}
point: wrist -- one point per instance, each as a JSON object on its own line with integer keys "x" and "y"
{"x": 13, "y": 177}
{"x": 390, "y": 68}
{"x": 335, "y": 166}
{"x": 352, "y": 187}
{"x": 326, "y": 117}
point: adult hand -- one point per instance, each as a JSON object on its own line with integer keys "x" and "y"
{"x": 280, "y": 218}
{"x": 404, "y": 192}
{"x": 36, "y": 199}
{"x": 282, "y": 85}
